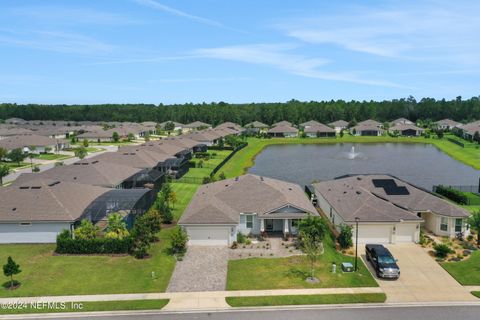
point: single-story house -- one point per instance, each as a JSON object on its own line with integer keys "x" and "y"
{"x": 406, "y": 129}
{"x": 319, "y": 130}
{"x": 38, "y": 210}
{"x": 447, "y": 124}
{"x": 389, "y": 210}
{"x": 469, "y": 129}
{"x": 367, "y": 128}
{"x": 248, "y": 204}
{"x": 282, "y": 123}
{"x": 25, "y": 142}
{"x": 283, "y": 131}
{"x": 231, "y": 126}
{"x": 309, "y": 124}
{"x": 9, "y": 131}
{"x": 206, "y": 137}
{"x": 400, "y": 121}
{"x": 256, "y": 127}
{"x": 196, "y": 125}
{"x": 339, "y": 125}
{"x": 177, "y": 125}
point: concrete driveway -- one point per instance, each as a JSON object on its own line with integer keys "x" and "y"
{"x": 422, "y": 279}
{"x": 204, "y": 268}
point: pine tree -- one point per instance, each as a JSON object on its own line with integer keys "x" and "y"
{"x": 10, "y": 269}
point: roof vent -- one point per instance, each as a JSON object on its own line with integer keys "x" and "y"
{"x": 36, "y": 187}
{"x": 359, "y": 192}
{"x": 358, "y": 178}
{"x": 14, "y": 209}
{"x": 236, "y": 178}
{"x": 54, "y": 183}
{"x": 290, "y": 189}
{"x": 344, "y": 192}
{"x": 96, "y": 161}
{"x": 261, "y": 179}
{"x": 24, "y": 187}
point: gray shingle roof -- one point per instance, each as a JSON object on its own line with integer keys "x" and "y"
{"x": 320, "y": 127}
{"x": 357, "y": 195}
{"x": 282, "y": 129}
{"x": 222, "y": 202}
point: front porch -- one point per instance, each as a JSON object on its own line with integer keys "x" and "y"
{"x": 286, "y": 227}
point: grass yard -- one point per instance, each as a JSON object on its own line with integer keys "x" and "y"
{"x": 466, "y": 272}
{"x": 244, "y": 158}
{"x": 90, "y": 306}
{"x": 290, "y": 273}
{"x": 184, "y": 192}
{"x": 476, "y": 293}
{"x": 14, "y": 165}
{"x": 305, "y": 299}
{"x": 52, "y": 156}
{"x": 45, "y": 274}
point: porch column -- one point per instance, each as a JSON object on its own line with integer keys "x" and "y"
{"x": 285, "y": 226}
{"x": 262, "y": 225}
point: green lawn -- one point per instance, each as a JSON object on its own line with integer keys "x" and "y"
{"x": 45, "y": 274}
{"x": 52, "y": 156}
{"x": 305, "y": 299}
{"x": 476, "y": 293}
{"x": 184, "y": 192}
{"x": 14, "y": 165}
{"x": 208, "y": 165}
{"x": 88, "y": 306}
{"x": 244, "y": 158}
{"x": 466, "y": 272}
{"x": 290, "y": 273}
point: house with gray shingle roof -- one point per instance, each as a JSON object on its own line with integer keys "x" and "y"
{"x": 339, "y": 125}
{"x": 389, "y": 209}
{"x": 283, "y": 131}
{"x": 406, "y": 129}
{"x": 248, "y": 204}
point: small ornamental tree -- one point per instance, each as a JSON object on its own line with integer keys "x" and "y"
{"x": 142, "y": 237}
{"x": 130, "y": 137}
{"x": 17, "y": 155}
{"x": 3, "y": 153}
{"x": 10, "y": 269}
{"x": 85, "y": 143}
{"x": 169, "y": 127}
{"x": 476, "y": 137}
{"x": 117, "y": 228}
{"x": 313, "y": 248}
{"x": 172, "y": 198}
{"x": 179, "y": 239}
{"x": 80, "y": 152}
{"x": 345, "y": 238}
{"x": 341, "y": 133}
{"x": 313, "y": 227}
{"x": 115, "y": 136}
{"x": 153, "y": 220}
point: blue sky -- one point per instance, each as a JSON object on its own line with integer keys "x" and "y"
{"x": 165, "y": 51}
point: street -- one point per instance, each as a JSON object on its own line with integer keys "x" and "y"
{"x": 464, "y": 312}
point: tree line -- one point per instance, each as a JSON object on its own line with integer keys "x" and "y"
{"x": 295, "y": 111}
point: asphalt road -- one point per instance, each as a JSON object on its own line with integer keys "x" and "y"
{"x": 342, "y": 313}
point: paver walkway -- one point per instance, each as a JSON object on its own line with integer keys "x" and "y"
{"x": 204, "y": 268}
{"x": 422, "y": 279}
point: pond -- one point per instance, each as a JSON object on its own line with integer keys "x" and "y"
{"x": 421, "y": 164}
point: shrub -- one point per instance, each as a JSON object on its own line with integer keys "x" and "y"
{"x": 452, "y": 194}
{"x": 179, "y": 240}
{"x": 345, "y": 237}
{"x": 67, "y": 245}
{"x": 86, "y": 230}
{"x": 241, "y": 237}
{"x": 442, "y": 250}
{"x": 117, "y": 228}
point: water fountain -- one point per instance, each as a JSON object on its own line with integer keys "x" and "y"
{"x": 351, "y": 155}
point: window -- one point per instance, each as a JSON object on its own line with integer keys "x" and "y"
{"x": 444, "y": 224}
{"x": 249, "y": 221}
{"x": 25, "y": 224}
{"x": 458, "y": 225}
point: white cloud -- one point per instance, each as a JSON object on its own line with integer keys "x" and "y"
{"x": 63, "y": 42}
{"x": 279, "y": 56}
{"x": 437, "y": 31}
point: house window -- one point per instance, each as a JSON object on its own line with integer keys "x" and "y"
{"x": 458, "y": 225}
{"x": 249, "y": 221}
{"x": 25, "y": 224}
{"x": 444, "y": 224}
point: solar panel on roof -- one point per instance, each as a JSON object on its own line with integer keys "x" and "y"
{"x": 382, "y": 183}
{"x": 396, "y": 191}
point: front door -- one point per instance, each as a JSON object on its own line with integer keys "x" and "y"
{"x": 269, "y": 224}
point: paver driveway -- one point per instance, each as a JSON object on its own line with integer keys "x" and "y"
{"x": 422, "y": 278}
{"x": 204, "y": 268}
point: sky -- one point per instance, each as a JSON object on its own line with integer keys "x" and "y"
{"x": 237, "y": 51}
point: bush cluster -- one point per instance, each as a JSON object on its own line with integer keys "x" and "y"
{"x": 452, "y": 194}
{"x": 67, "y": 245}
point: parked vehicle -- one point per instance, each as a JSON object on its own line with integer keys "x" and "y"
{"x": 382, "y": 260}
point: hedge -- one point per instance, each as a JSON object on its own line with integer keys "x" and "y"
{"x": 452, "y": 194}
{"x": 67, "y": 245}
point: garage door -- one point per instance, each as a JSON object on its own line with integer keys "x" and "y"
{"x": 405, "y": 233}
{"x": 208, "y": 236}
{"x": 374, "y": 233}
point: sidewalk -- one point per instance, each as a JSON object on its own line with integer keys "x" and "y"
{"x": 181, "y": 301}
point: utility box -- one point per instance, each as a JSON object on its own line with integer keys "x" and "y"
{"x": 347, "y": 267}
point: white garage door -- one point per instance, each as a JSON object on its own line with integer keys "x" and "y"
{"x": 374, "y": 233}
{"x": 405, "y": 233}
{"x": 31, "y": 233}
{"x": 208, "y": 236}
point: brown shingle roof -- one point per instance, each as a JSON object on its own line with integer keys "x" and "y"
{"x": 222, "y": 202}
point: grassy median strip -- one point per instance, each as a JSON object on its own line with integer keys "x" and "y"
{"x": 476, "y": 293}
{"x": 305, "y": 299}
{"x": 83, "y": 306}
